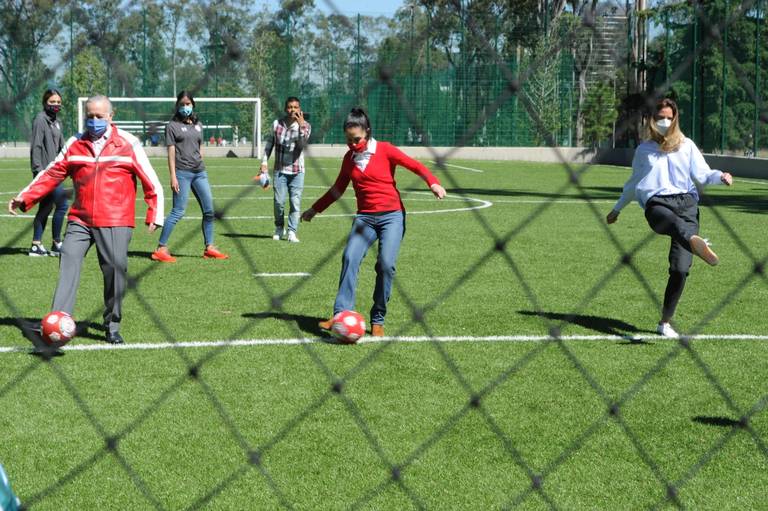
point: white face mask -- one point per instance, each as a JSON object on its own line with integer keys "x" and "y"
{"x": 663, "y": 125}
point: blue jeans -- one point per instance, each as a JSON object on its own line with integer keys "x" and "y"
{"x": 288, "y": 185}
{"x": 389, "y": 228}
{"x": 198, "y": 182}
{"x": 58, "y": 198}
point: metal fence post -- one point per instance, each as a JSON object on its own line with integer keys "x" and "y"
{"x": 667, "y": 45}
{"x": 756, "y": 134}
{"x": 358, "y": 87}
{"x": 695, "y": 76}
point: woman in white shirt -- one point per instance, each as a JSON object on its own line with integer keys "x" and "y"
{"x": 665, "y": 172}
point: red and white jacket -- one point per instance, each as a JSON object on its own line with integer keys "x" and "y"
{"x": 105, "y": 185}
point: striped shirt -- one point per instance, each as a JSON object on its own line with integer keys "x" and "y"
{"x": 289, "y": 142}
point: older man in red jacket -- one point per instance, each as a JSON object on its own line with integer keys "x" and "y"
{"x": 104, "y": 163}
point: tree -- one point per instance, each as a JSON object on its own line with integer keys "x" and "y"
{"x": 579, "y": 35}
{"x": 717, "y": 110}
{"x": 174, "y": 19}
{"x": 99, "y": 23}
{"x": 599, "y": 114}
{"x": 542, "y": 88}
{"x": 221, "y": 27}
{"x": 141, "y": 41}
{"x": 26, "y": 26}
{"x": 89, "y": 73}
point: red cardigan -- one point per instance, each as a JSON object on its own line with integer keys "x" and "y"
{"x": 375, "y": 188}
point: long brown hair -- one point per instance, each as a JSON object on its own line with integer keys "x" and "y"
{"x": 674, "y": 137}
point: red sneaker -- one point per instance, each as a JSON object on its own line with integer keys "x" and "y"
{"x": 162, "y": 255}
{"x": 213, "y": 253}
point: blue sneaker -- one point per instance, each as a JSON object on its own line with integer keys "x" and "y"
{"x": 8, "y": 501}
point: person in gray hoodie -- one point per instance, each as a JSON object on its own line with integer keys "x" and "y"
{"x": 47, "y": 141}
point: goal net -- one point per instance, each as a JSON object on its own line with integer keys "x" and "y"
{"x": 229, "y": 122}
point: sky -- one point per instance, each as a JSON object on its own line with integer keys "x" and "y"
{"x": 350, "y": 7}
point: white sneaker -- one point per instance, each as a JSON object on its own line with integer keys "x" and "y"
{"x": 279, "y": 234}
{"x": 666, "y": 330}
{"x": 292, "y": 237}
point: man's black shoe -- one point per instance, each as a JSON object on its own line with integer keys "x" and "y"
{"x": 37, "y": 326}
{"x": 114, "y": 338}
{"x": 81, "y": 329}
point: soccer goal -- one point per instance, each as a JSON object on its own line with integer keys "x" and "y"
{"x": 229, "y": 122}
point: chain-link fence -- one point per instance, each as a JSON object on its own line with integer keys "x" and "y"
{"x": 584, "y": 89}
{"x": 484, "y": 103}
{"x": 720, "y": 90}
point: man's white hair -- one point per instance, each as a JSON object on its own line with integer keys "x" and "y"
{"x": 97, "y": 98}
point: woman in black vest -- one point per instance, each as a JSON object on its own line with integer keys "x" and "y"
{"x": 46, "y": 143}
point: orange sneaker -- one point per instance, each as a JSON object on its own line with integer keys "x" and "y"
{"x": 377, "y": 330}
{"x": 162, "y": 255}
{"x": 326, "y": 325}
{"x": 212, "y": 252}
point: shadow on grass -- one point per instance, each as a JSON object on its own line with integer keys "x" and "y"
{"x": 723, "y": 422}
{"x": 5, "y": 251}
{"x": 746, "y": 203}
{"x": 246, "y": 235}
{"x": 141, "y": 254}
{"x": 608, "y": 326}
{"x": 307, "y": 324}
{"x": 30, "y": 330}
{"x": 754, "y": 203}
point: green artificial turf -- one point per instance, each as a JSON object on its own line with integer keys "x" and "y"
{"x": 605, "y": 423}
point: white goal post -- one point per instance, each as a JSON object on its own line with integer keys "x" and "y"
{"x": 256, "y": 144}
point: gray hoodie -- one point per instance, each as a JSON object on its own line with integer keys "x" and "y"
{"x": 46, "y": 141}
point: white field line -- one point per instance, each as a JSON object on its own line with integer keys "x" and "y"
{"x": 371, "y": 340}
{"x": 751, "y": 181}
{"x": 481, "y": 204}
{"x": 298, "y": 274}
{"x": 554, "y": 201}
{"x": 479, "y": 171}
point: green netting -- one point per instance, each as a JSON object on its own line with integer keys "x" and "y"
{"x": 445, "y": 92}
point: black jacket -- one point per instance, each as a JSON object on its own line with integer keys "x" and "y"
{"x": 46, "y": 142}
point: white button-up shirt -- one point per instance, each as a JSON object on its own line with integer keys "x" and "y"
{"x": 363, "y": 157}
{"x": 655, "y": 172}
{"x": 98, "y": 144}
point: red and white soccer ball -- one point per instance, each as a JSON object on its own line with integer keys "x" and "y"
{"x": 348, "y": 326}
{"x": 58, "y": 328}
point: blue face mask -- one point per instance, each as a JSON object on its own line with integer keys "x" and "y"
{"x": 185, "y": 110}
{"x": 96, "y": 127}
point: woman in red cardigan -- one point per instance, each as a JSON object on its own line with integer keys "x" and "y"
{"x": 370, "y": 166}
